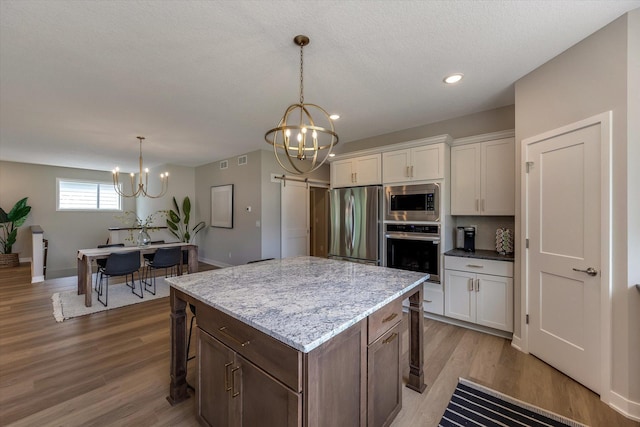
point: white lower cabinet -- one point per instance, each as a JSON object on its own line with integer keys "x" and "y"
{"x": 479, "y": 291}
{"x": 433, "y": 298}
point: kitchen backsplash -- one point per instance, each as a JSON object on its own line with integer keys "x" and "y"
{"x": 485, "y": 228}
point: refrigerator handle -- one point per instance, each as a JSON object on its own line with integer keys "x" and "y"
{"x": 352, "y": 221}
{"x": 347, "y": 221}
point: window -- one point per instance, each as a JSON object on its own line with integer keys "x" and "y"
{"x": 87, "y": 196}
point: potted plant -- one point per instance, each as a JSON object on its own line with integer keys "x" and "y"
{"x": 9, "y": 223}
{"x": 143, "y": 226}
{"x": 178, "y": 222}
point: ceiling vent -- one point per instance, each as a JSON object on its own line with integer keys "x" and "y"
{"x": 242, "y": 160}
{"x": 224, "y": 164}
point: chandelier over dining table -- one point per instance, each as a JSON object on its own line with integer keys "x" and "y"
{"x": 302, "y": 142}
{"x": 142, "y": 189}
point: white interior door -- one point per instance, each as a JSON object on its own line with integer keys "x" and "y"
{"x": 563, "y": 196}
{"x": 294, "y": 217}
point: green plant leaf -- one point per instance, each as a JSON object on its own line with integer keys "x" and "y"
{"x": 186, "y": 210}
{"x": 175, "y": 205}
{"x": 174, "y": 217}
{"x": 172, "y": 225}
{"x": 3, "y": 216}
{"x": 198, "y": 227}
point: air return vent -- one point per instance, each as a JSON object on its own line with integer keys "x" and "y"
{"x": 224, "y": 164}
{"x": 242, "y": 160}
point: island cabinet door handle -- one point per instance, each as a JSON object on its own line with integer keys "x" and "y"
{"x": 233, "y": 382}
{"x": 390, "y": 318}
{"x": 470, "y": 287}
{"x": 223, "y": 331}
{"x": 389, "y": 339}
{"x": 475, "y": 266}
{"x": 227, "y": 385}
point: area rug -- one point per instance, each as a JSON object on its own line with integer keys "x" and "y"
{"x": 474, "y": 405}
{"x": 69, "y": 304}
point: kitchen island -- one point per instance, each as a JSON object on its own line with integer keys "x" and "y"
{"x": 297, "y": 342}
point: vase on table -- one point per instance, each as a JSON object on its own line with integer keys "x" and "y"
{"x": 143, "y": 238}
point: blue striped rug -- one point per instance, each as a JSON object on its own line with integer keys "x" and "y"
{"x": 474, "y": 405}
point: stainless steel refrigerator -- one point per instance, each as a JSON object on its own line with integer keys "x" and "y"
{"x": 355, "y": 224}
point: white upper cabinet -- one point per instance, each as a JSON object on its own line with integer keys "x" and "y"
{"x": 356, "y": 171}
{"x": 483, "y": 178}
{"x": 414, "y": 164}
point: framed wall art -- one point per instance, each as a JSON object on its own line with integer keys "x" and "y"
{"x": 222, "y": 206}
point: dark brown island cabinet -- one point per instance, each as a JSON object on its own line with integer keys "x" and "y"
{"x": 245, "y": 377}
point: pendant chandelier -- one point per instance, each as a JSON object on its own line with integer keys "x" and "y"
{"x": 302, "y": 143}
{"x": 142, "y": 189}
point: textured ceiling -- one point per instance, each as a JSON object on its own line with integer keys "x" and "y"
{"x": 203, "y": 80}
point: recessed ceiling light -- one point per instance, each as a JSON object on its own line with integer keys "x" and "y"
{"x": 334, "y": 116}
{"x": 332, "y": 155}
{"x": 453, "y": 78}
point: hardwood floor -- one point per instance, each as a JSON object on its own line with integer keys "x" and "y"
{"x": 112, "y": 368}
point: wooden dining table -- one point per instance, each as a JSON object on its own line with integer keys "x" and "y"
{"x": 86, "y": 257}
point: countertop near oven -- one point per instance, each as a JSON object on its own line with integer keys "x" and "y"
{"x": 480, "y": 254}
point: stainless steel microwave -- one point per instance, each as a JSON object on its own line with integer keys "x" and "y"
{"x": 419, "y": 202}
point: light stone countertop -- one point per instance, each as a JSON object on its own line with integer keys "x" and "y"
{"x": 301, "y": 301}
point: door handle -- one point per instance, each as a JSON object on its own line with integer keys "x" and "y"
{"x": 470, "y": 288}
{"x": 590, "y": 271}
{"x": 227, "y": 386}
{"x": 234, "y": 393}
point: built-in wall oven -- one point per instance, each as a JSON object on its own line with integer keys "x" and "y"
{"x": 414, "y": 247}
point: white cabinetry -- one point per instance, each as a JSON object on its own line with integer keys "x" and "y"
{"x": 356, "y": 171}
{"x": 414, "y": 164}
{"x": 483, "y": 178}
{"x": 479, "y": 291}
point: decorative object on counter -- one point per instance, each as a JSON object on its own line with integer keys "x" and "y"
{"x": 504, "y": 241}
{"x": 9, "y": 224}
{"x": 142, "y": 188}
{"x": 316, "y": 135}
{"x": 178, "y": 222}
{"x": 130, "y": 218}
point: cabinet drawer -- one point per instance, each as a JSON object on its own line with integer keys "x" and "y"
{"x": 475, "y": 265}
{"x": 433, "y": 300}
{"x": 273, "y": 356}
{"x": 384, "y": 319}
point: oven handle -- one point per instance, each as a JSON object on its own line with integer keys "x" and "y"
{"x": 407, "y": 236}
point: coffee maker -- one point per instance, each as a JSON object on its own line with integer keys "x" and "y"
{"x": 466, "y": 238}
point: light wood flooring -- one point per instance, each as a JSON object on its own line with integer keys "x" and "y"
{"x": 112, "y": 368}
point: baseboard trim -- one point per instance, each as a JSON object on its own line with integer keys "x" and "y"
{"x": 516, "y": 343}
{"x": 215, "y": 262}
{"x": 626, "y": 407}
{"x": 472, "y": 326}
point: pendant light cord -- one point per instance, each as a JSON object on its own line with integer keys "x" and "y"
{"x": 301, "y": 80}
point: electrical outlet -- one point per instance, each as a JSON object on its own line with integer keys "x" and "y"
{"x": 475, "y": 227}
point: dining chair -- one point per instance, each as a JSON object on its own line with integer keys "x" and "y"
{"x": 167, "y": 258}
{"x": 102, "y": 262}
{"x": 150, "y": 256}
{"x": 120, "y": 264}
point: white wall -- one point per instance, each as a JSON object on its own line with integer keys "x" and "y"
{"x": 255, "y": 234}
{"x": 590, "y": 78}
{"x": 66, "y": 231}
{"x": 488, "y": 121}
